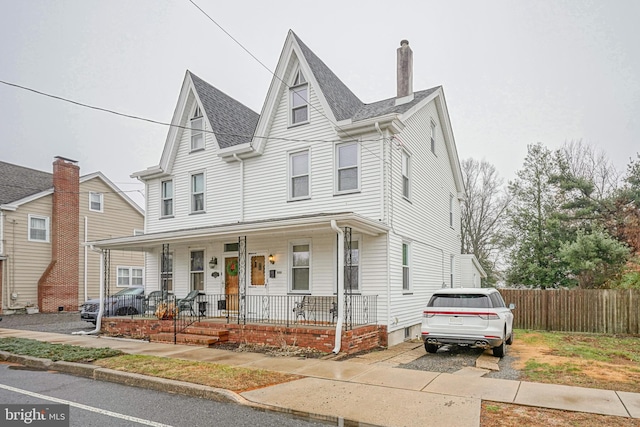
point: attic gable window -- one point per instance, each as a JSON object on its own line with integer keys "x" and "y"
{"x": 433, "y": 137}
{"x": 299, "y": 97}
{"x": 197, "y": 126}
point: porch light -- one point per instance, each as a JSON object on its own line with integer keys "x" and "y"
{"x": 213, "y": 263}
{"x": 272, "y": 259}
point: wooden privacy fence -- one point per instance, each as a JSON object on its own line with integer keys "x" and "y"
{"x": 576, "y": 310}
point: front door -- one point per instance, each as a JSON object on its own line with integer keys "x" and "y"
{"x": 231, "y": 282}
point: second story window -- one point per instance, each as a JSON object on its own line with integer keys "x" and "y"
{"x": 405, "y": 174}
{"x": 197, "y": 192}
{"x": 347, "y": 167}
{"x": 197, "y": 134}
{"x": 38, "y": 228}
{"x": 299, "y": 97}
{"x": 299, "y": 171}
{"x": 167, "y": 198}
{"x": 95, "y": 201}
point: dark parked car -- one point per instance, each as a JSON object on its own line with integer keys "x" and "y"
{"x": 126, "y": 302}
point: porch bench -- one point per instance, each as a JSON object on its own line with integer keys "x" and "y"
{"x": 313, "y": 308}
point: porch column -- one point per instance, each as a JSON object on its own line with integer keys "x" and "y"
{"x": 242, "y": 278}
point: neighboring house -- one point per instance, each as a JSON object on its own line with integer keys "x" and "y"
{"x": 257, "y": 204}
{"x": 471, "y": 272}
{"x": 45, "y": 219}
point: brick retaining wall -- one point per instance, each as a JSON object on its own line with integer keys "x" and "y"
{"x": 323, "y": 339}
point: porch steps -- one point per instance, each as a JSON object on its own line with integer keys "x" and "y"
{"x": 206, "y": 338}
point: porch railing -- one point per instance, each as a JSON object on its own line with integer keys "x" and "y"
{"x": 288, "y": 310}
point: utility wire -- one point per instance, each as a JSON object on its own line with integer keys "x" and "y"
{"x": 130, "y": 116}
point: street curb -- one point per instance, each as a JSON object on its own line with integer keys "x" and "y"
{"x": 163, "y": 384}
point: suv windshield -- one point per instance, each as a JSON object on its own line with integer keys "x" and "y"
{"x": 460, "y": 301}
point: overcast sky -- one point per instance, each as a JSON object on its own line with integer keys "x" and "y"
{"x": 514, "y": 73}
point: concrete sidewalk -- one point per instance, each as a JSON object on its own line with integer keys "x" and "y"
{"x": 371, "y": 390}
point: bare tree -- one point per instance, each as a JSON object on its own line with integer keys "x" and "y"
{"x": 482, "y": 214}
{"x": 583, "y": 161}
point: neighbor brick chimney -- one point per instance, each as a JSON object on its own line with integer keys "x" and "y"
{"x": 58, "y": 286}
{"x": 405, "y": 73}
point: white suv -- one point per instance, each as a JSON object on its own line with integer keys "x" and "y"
{"x": 475, "y": 317}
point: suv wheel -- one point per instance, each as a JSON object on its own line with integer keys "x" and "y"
{"x": 431, "y": 348}
{"x": 501, "y": 350}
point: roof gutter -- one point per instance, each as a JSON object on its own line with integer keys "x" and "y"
{"x": 390, "y": 122}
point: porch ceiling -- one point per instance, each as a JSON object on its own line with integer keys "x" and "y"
{"x": 318, "y": 222}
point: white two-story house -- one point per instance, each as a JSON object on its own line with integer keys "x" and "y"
{"x": 318, "y": 195}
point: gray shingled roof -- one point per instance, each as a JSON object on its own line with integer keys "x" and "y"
{"x": 388, "y": 106}
{"x": 233, "y": 123}
{"x": 18, "y": 182}
{"x": 342, "y": 101}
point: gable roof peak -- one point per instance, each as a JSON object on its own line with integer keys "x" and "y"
{"x": 231, "y": 121}
{"x": 342, "y": 101}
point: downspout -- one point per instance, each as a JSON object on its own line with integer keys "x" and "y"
{"x": 338, "y": 342}
{"x": 86, "y": 225}
{"x": 235, "y": 156}
{"x": 385, "y": 216}
{"x": 10, "y": 274}
{"x": 101, "y": 309}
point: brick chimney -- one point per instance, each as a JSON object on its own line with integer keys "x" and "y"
{"x": 58, "y": 286}
{"x": 405, "y": 73}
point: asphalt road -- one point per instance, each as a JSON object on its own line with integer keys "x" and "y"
{"x": 104, "y": 404}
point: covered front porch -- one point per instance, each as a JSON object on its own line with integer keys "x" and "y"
{"x": 285, "y": 275}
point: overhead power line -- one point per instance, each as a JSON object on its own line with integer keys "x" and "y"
{"x": 157, "y": 122}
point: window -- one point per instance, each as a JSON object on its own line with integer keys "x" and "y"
{"x": 196, "y": 270}
{"x": 433, "y": 137}
{"x": 405, "y": 267}
{"x": 300, "y": 262}
{"x": 130, "y": 276}
{"x": 299, "y": 169}
{"x": 38, "y": 228}
{"x": 167, "y": 275}
{"x": 167, "y": 198}
{"x": 405, "y": 174}
{"x": 299, "y": 96}
{"x": 197, "y": 126}
{"x": 231, "y": 247}
{"x": 197, "y": 192}
{"x": 95, "y": 202}
{"x": 451, "y": 264}
{"x": 347, "y": 166}
{"x": 351, "y": 276}
{"x": 451, "y": 210}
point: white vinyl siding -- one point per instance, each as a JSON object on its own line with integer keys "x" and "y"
{"x": 451, "y": 210}
{"x": 96, "y": 201}
{"x": 38, "y": 228}
{"x": 347, "y": 167}
{"x": 299, "y": 175}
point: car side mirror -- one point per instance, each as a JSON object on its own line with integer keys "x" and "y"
{"x": 512, "y": 306}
